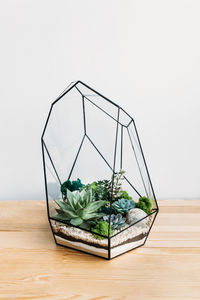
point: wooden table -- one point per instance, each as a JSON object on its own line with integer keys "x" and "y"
{"x": 33, "y": 267}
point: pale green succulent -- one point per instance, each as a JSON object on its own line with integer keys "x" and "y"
{"x": 116, "y": 221}
{"x": 122, "y": 206}
{"x": 79, "y": 208}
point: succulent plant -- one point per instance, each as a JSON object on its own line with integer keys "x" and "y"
{"x": 106, "y": 209}
{"x": 144, "y": 203}
{"x": 108, "y": 189}
{"x": 116, "y": 221}
{"x": 79, "y": 208}
{"x": 89, "y": 186}
{"x": 71, "y": 186}
{"x": 123, "y": 205}
{"x": 116, "y": 188}
{"x": 102, "y": 227}
{"x": 101, "y": 189}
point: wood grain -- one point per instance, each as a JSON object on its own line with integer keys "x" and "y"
{"x": 33, "y": 267}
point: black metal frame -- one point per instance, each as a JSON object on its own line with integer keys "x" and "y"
{"x": 119, "y": 126}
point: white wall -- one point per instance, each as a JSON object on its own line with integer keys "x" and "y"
{"x": 142, "y": 54}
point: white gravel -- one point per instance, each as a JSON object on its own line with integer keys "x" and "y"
{"x": 80, "y": 234}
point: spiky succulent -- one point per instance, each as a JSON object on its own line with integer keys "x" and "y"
{"x": 116, "y": 221}
{"x": 79, "y": 208}
{"x": 122, "y": 205}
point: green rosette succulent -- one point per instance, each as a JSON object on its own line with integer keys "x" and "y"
{"x": 122, "y": 205}
{"x": 116, "y": 221}
{"x": 79, "y": 208}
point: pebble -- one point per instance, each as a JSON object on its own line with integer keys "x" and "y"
{"x": 136, "y": 214}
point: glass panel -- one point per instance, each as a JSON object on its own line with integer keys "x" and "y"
{"x": 132, "y": 237}
{"x": 67, "y": 88}
{"x": 90, "y": 166}
{"x": 65, "y": 131}
{"x": 79, "y": 239}
{"x": 53, "y": 184}
{"x": 130, "y": 188}
{"x": 88, "y": 170}
{"x": 124, "y": 118}
{"x": 101, "y": 129}
{"x": 99, "y": 101}
{"x": 150, "y": 223}
{"x": 85, "y": 91}
{"x": 131, "y": 165}
{"x": 118, "y": 162}
{"x": 139, "y": 157}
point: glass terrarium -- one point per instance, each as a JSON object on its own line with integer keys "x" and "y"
{"x": 99, "y": 195}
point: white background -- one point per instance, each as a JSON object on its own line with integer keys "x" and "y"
{"x": 144, "y": 55}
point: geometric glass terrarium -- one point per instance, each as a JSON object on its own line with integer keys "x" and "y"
{"x": 100, "y": 198}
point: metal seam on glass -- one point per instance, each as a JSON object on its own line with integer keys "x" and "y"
{"x": 114, "y": 162}
{"x": 70, "y": 173}
{"x": 98, "y": 151}
{"x": 132, "y": 186}
{"x": 145, "y": 163}
{"x": 137, "y": 162}
{"x": 52, "y": 162}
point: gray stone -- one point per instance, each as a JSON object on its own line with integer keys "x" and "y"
{"x": 136, "y": 214}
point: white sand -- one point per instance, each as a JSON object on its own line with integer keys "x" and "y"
{"x": 126, "y": 247}
{"x": 86, "y": 237}
{"x": 82, "y": 246}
